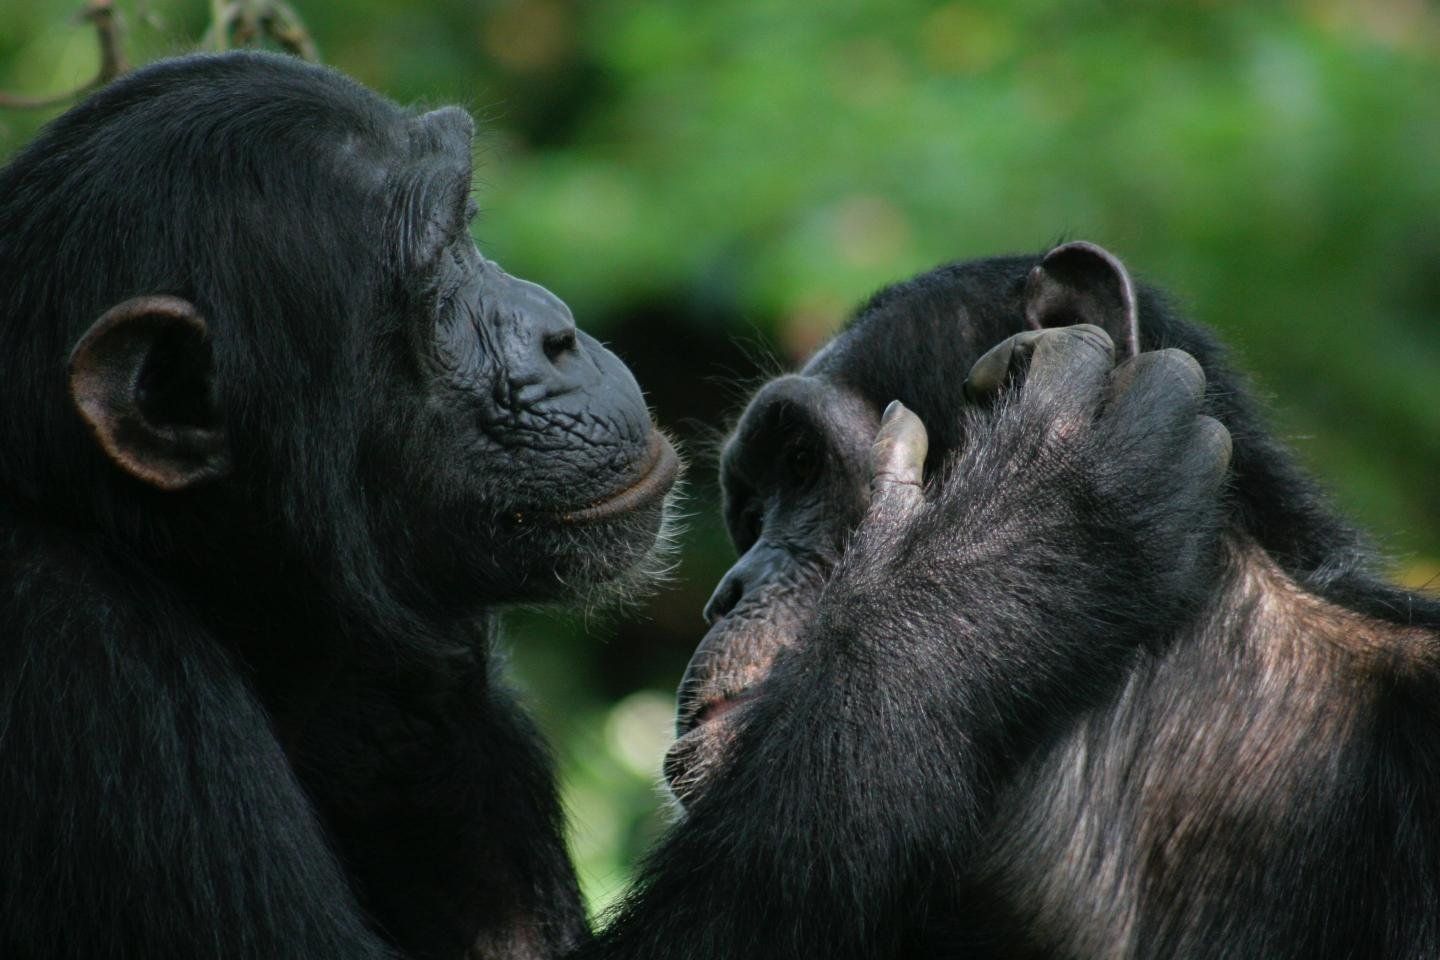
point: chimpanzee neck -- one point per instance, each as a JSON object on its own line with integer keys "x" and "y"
{"x": 299, "y": 643}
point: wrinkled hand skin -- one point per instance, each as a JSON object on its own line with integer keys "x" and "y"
{"x": 965, "y": 621}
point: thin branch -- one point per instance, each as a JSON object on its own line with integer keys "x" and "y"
{"x": 288, "y": 30}
{"x": 233, "y": 23}
{"x": 108, "y": 29}
{"x": 222, "y": 14}
{"x": 243, "y": 23}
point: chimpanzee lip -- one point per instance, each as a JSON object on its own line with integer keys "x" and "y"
{"x": 702, "y": 734}
{"x": 695, "y": 713}
{"x": 719, "y": 707}
{"x": 662, "y": 465}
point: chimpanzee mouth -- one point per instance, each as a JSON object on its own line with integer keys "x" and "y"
{"x": 662, "y": 466}
{"x": 704, "y": 732}
{"x": 695, "y": 712}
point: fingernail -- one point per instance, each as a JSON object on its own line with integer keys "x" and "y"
{"x": 891, "y": 412}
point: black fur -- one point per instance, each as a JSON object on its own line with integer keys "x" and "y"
{"x": 246, "y": 709}
{"x": 1077, "y": 701}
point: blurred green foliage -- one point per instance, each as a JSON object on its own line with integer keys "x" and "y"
{"x": 712, "y": 184}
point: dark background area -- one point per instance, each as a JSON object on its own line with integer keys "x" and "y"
{"x": 712, "y": 186}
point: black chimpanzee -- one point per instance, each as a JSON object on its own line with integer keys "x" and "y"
{"x": 1073, "y": 696}
{"x": 275, "y": 439}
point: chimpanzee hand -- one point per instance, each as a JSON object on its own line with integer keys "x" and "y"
{"x": 1085, "y": 487}
{"x": 967, "y": 620}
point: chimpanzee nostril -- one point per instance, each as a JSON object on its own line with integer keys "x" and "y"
{"x": 546, "y": 326}
{"x": 724, "y": 599}
{"x": 763, "y": 565}
{"x": 558, "y": 344}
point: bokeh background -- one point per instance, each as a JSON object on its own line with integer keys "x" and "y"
{"x": 713, "y": 185}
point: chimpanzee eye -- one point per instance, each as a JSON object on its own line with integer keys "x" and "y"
{"x": 454, "y": 271}
{"x": 445, "y": 297}
{"x": 800, "y": 463}
{"x": 752, "y": 524}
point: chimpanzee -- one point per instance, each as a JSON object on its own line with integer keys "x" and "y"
{"x": 1054, "y": 686}
{"x": 276, "y": 441}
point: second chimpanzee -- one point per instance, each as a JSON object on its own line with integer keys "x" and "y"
{"x": 275, "y": 441}
{"x": 1046, "y": 687}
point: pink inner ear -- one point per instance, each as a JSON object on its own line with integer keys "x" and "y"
{"x": 104, "y": 370}
{"x": 1081, "y": 282}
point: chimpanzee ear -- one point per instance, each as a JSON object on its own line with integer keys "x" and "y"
{"x": 1080, "y": 282}
{"x": 143, "y": 379}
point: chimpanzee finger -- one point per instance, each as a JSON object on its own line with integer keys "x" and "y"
{"x": 1066, "y": 365}
{"x": 1210, "y": 452}
{"x": 897, "y": 460}
{"x": 1154, "y": 396}
{"x": 998, "y": 365}
{"x": 1069, "y": 366}
{"x": 1157, "y": 376}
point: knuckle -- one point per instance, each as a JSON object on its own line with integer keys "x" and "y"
{"x": 1169, "y": 380}
{"x": 1089, "y": 335}
{"x": 1079, "y": 345}
{"x": 1214, "y": 439}
{"x": 1182, "y": 369}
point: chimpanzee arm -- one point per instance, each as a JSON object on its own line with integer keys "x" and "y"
{"x": 148, "y": 810}
{"x": 1077, "y": 522}
{"x": 440, "y": 799}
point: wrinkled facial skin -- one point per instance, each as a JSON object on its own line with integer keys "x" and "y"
{"x": 563, "y": 409}
{"x": 525, "y": 433}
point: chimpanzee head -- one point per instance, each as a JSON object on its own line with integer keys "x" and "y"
{"x": 795, "y": 471}
{"x": 244, "y": 325}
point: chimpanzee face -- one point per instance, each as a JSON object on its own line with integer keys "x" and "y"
{"x": 795, "y": 483}
{"x": 794, "y": 474}
{"x": 548, "y": 453}
{"x": 320, "y": 360}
